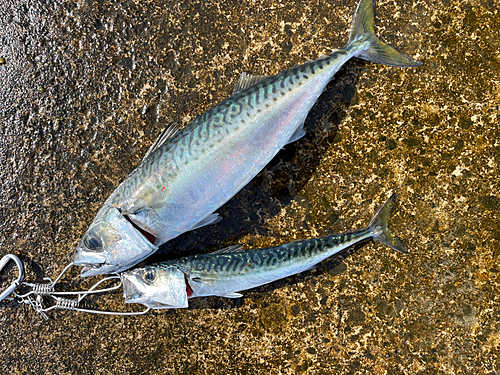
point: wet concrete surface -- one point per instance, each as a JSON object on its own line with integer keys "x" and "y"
{"x": 87, "y": 86}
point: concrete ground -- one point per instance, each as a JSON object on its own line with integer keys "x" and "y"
{"x": 86, "y": 86}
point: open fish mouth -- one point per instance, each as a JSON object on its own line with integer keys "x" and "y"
{"x": 89, "y": 261}
{"x": 127, "y": 287}
{"x": 97, "y": 269}
{"x": 130, "y": 292}
{"x": 88, "y": 267}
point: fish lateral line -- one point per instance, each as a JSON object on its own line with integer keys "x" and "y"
{"x": 228, "y": 272}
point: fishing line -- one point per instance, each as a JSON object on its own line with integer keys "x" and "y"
{"x": 35, "y": 296}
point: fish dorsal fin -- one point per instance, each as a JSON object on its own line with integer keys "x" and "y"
{"x": 246, "y": 80}
{"x": 169, "y": 132}
{"x": 230, "y": 249}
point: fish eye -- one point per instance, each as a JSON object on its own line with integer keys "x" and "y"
{"x": 92, "y": 242}
{"x": 149, "y": 275}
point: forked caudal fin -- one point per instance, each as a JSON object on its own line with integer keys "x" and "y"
{"x": 379, "y": 225}
{"x": 377, "y": 51}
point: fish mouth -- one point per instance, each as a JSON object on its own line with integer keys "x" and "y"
{"x": 87, "y": 259}
{"x": 93, "y": 269}
{"x": 90, "y": 269}
{"x": 130, "y": 292}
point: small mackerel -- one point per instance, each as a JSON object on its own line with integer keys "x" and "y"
{"x": 228, "y": 271}
{"x": 188, "y": 174}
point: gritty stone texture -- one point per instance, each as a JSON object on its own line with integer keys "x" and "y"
{"x": 85, "y": 88}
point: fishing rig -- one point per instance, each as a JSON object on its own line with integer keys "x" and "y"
{"x": 38, "y": 293}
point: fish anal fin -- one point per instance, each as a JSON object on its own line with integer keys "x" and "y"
{"x": 231, "y": 295}
{"x": 299, "y": 133}
{"x": 310, "y": 267}
{"x": 208, "y": 220}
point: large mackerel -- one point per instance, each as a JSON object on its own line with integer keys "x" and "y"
{"x": 228, "y": 271}
{"x": 188, "y": 174}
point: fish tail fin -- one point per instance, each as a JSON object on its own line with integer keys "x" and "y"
{"x": 377, "y": 51}
{"x": 379, "y": 226}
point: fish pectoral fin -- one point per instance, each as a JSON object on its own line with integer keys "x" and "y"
{"x": 210, "y": 219}
{"x": 246, "y": 80}
{"x": 133, "y": 207}
{"x": 299, "y": 133}
{"x": 231, "y": 295}
{"x": 169, "y": 132}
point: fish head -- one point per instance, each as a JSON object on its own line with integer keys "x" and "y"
{"x": 111, "y": 244}
{"x": 156, "y": 286}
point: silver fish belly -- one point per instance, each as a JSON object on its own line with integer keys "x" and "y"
{"x": 226, "y": 272}
{"x": 185, "y": 178}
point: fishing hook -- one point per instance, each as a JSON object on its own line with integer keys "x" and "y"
{"x": 35, "y": 299}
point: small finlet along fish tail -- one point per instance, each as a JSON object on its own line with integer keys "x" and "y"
{"x": 379, "y": 226}
{"x": 377, "y": 51}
